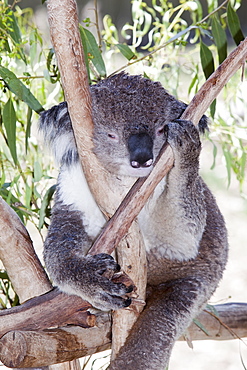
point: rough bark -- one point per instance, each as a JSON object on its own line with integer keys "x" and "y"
{"x": 22, "y": 264}
{"x": 63, "y": 21}
{"x": 49, "y": 347}
{"x": 52, "y": 309}
{"x": 43, "y": 348}
{"x": 18, "y": 256}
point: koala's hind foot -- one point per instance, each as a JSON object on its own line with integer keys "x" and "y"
{"x": 89, "y": 277}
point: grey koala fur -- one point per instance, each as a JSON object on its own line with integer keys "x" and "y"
{"x": 183, "y": 229}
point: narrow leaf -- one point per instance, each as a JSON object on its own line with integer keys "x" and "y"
{"x": 37, "y": 172}
{"x": 45, "y": 204}
{"x": 228, "y": 159}
{"x": 19, "y": 89}
{"x": 234, "y": 24}
{"x": 213, "y": 108}
{"x": 15, "y": 32}
{"x": 9, "y": 120}
{"x": 28, "y": 128}
{"x": 84, "y": 44}
{"x": 219, "y": 36}
{"x": 207, "y": 60}
{"x": 201, "y": 326}
{"x": 212, "y": 309}
{"x": 126, "y": 51}
{"x": 93, "y": 51}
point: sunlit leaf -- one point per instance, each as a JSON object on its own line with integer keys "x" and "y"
{"x": 215, "y": 150}
{"x": 228, "y": 159}
{"x": 195, "y": 80}
{"x": 92, "y": 50}
{"x": 219, "y": 38}
{"x": 9, "y": 120}
{"x": 14, "y": 32}
{"x": 19, "y": 89}
{"x": 126, "y": 51}
{"x": 37, "y": 171}
{"x": 45, "y": 204}
{"x": 234, "y": 24}
{"x": 28, "y": 128}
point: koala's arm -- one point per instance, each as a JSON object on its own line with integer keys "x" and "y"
{"x": 75, "y": 223}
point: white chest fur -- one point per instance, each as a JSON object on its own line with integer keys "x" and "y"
{"x": 163, "y": 227}
{"x": 74, "y": 191}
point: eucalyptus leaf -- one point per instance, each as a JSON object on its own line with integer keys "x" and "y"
{"x": 219, "y": 38}
{"x": 37, "y": 172}
{"x": 19, "y": 89}
{"x": 92, "y": 50}
{"x": 207, "y": 60}
{"x": 45, "y": 204}
{"x": 201, "y": 326}
{"x": 9, "y": 120}
{"x": 228, "y": 159}
{"x": 28, "y": 128}
{"x": 213, "y": 108}
{"x": 126, "y": 51}
{"x": 15, "y": 32}
{"x": 234, "y": 24}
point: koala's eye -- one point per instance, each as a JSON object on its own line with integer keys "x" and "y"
{"x": 160, "y": 131}
{"x": 113, "y": 136}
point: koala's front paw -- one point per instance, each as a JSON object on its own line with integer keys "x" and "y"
{"x": 96, "y": 286}
{"x": 184, "y": 139}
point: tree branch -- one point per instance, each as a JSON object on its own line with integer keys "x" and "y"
{"x": 18, "y": 256}
{"x": 19, "y": 348}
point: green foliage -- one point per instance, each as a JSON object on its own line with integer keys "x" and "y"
{"x": 92, "y": 52}
{"x": 24, "y": 170}
{"x": 7, "y": 295}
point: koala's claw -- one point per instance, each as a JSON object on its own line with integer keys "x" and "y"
{"x": 92, "y": 281}
{"x": 184, "y": 139}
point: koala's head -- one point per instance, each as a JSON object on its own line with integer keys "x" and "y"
{"x": 129, "y": 114}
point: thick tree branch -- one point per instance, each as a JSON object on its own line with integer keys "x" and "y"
{"x": 19, "y": 348}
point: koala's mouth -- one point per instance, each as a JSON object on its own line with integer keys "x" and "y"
{"x": 136, "y": 171}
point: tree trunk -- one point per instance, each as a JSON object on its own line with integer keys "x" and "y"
{"x": 63, "y": 21}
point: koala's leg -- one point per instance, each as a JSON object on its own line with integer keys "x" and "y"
{"x": 168, "y": 313}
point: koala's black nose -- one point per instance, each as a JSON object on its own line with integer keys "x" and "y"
{"x": 141, "y": 150}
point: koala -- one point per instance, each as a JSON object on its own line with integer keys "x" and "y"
{"x": 183, "y": 230}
